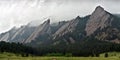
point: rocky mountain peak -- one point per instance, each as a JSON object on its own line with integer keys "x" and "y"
{"x": 78, "y": 17}
{"x": 99, "y": 8}
{"x": 47, "y": 21}
{"x": 99, "y": 11}
{"x": 99, "y": 19}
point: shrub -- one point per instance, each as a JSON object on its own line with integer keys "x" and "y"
{"x": 68, "y": 54}
{"x": 106, "y": 54}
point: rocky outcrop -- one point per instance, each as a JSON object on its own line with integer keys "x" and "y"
{"x": 22, "y": 34}
{"x": 17, "y": 34}
{"x": 99, "y": 19}
{"x": 8, "y": 35}
{"x": 5, "y": 37}
{"x": 68, "y": 27}
{"x": 26, "y": 33}
{"x": 41, "y": 29}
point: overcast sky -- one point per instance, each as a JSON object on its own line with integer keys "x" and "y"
{"x": 21, "y": 12}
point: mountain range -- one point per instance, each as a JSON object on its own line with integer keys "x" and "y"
{"x": 100, "y": 25}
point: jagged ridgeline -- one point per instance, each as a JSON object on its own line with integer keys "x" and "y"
{"x": 100, "y": 25}
{"x": 101, "y": 30}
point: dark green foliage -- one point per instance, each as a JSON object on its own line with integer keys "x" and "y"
{"x": 68, "y": 54}
{"x": 16, "y": 48}
{"x": 97, "y": 55}
{"x": 87, "y": 47}
{"x": 55, "y": 54}
{"x": 106, "y": 54}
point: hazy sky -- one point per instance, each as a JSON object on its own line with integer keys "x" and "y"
{"x": 20, "y": 12}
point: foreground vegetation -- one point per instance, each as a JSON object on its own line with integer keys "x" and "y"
{"x": 11, "y": 56}
{"x": 84, "y": 48}
{"x": 60, "y": 58}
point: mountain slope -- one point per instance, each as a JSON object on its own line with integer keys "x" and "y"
{"x": 22, "y": 34}
{"x": 17, "y": 34}
{"x": 99, "y": 19}
{"x": 68, "y": 27}
{"x": 100, "y": 25}
{"x": 8, "y": 35}
{"x": 40, "y": 30}
{"x": 103, "y": 26}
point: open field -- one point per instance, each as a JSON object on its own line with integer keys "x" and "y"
{"x": 60, "y": 58}
{"x": 10, "y": 56}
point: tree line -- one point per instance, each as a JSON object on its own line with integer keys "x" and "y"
{"x": 16, "y": 48}
{"x": 80, "y": 48}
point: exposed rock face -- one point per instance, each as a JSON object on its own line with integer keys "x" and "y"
{"x": 5, "y": 37}
{"x": 41, "y": 29}
{"x": 8, "y": 35}
{"x": 26, "y": 33}
{"x": 56, "y": 26}
{"x": 99, "y": 19}
{"x": 17, "y": 34}
{"x": 68, "y": 27}
{"x": 22, "y": 34}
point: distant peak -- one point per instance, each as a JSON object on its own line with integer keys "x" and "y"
{"x": 78, "y": 17}
{"x": 99, "y": 8}
{"x": 48, "y": 20}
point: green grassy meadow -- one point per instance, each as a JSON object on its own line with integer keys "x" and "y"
{"x": 60, "y": 58}
{"x": 10, "y": 56}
